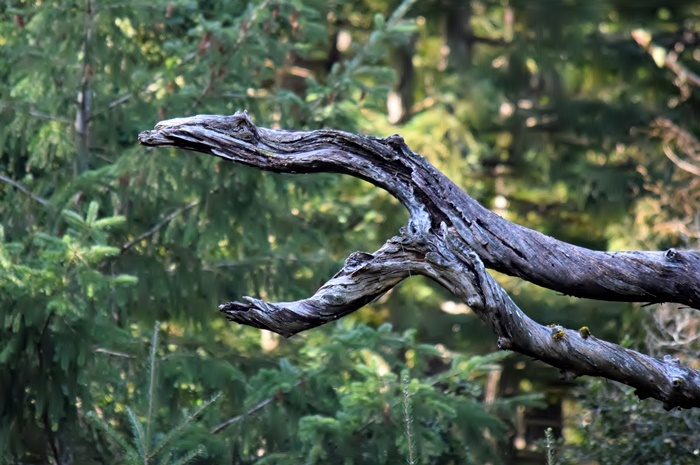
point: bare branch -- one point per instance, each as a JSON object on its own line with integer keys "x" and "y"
{"x": 672, "y": 134}
{"x": 29, "y": 109}
{"x": 431, "y": 198}
{"x": 255, "y": 408}
{"x": 449, "y": 238}
{"x": 363, "y": 279}
{"x": 447, "y": 259}
{"x": 24, "y": 190}
{"x": 158, "y": 226}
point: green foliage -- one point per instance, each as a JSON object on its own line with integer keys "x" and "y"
{"x": 349, "y": 402}
{"x": 51, "y": 307}
{"x": 143, "y": 449}
{"x": 615, "y": 427}
{"x": 543, "y": 110}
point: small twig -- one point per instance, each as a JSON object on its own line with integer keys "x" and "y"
{"x": 37, "y": 114}
{"x": 126, "y": 97}
{"x": 114, "y": 353}
{"x": 159, "y": 225}
{"x": 259, "y": 406}
{"x": 53, "y": 443}
{"x": 264, "y": 260}
{"x": 24, "y": 190}
{"x": 46, "y": 116}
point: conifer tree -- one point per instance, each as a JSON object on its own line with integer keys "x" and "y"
{"x": 525, "y": 102}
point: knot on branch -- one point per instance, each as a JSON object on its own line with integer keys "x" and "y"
{"x": 357, "y": 259}
{"x": 672, "y": 255}
{"x": 239, "y": 126}
{"x": 504, "y": 343}
{"x": 397, "y": 143}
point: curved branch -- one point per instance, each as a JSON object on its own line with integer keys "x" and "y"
{"x": 575, "y": 353}
{"x": 446, "y": 259}
{"x": 364, "y": 278}
{"x": 431, "y": 198}
{"x": 449, "y": 239}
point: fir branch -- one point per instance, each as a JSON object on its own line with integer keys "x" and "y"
{"x": 189, "y": 457}
{"x": 138, "y": 433}
{"x": 408, "y": 420}
{"x": 244, "y": 27}
{"x": 551, "y": 459}
{"x": 187, "y": 421}
{"x": 144, "y": 88}
{"x": 106, "y": 428}
{"x": 151, "y": 388}
{"x": 476, "y": 362}
{"x": 259, "y": 406}
{"x": 361, "y": 56}
{"x": 188, "y": 58}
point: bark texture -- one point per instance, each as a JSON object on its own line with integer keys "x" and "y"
{"x": 451, "y": 238}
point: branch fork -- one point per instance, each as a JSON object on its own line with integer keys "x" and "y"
{"x": 452, "y": 239}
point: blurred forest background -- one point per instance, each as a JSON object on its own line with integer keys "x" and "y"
{"x": 576, "y": 118}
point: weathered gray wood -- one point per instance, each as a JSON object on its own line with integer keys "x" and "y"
{"x": 449, "y": 238}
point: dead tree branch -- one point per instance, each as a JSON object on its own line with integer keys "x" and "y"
{"x": 449, "y": 238}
